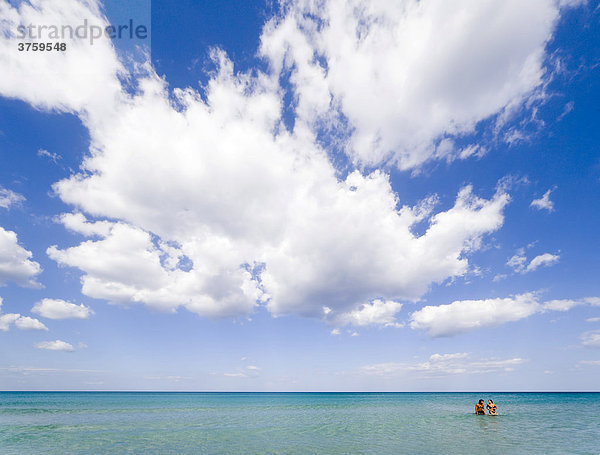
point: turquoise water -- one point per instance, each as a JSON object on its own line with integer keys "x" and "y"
{"x": 297, "y": 423}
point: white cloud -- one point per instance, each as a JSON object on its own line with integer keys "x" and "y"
{"x": 232, "y": 193}
{"x": 336, "y": 331}
{"x": 410, "y": 76}
{"x": 543, "y": 203}
{"x": 562, "y": 305}
{"x": 62, "y": 81}
{"x": 248, "y": 371}
{"x": 15, "y": 262}
{"x": 7, "y": 319}
{"x": 590, "y": 362}
{"x": 60, "y": 309}
{"x": 21, "y": 322}
{"x": 467, "y": 315}
{"x": 77, "y": 222}
{"x": 304, "y": 269}
{"x": 126, "y": 267}
{"x": 543, "y": 260}
{"x": 518, "y": 262}
{"x": 9, "y": 198}
{"x": 594, "y": 301}
{"x": 57, "y": 345}
{"x": 27, "y": 323}
{"x": 443, "y": 365}
{"x": 567, "y": 304}
{"x": 205, "y": 201}
{"x": 377, "y": 312}
{"x": 592, "y": 320}
{"x": 591, "y": 339}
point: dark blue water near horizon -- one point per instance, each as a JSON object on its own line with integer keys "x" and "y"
{"x": 297, "y": 423}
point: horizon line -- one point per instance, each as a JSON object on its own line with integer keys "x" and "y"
{"x": 290, "y": 392}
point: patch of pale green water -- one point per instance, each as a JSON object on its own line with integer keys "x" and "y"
{"x": 247, "y": 423}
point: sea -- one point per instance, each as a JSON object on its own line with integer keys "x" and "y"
{"x": 297, "y": 423}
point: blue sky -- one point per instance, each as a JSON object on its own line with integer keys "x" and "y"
{"x": 343, "y": 196}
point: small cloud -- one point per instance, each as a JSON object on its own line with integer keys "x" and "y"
{"x": 594, "y": 301}
{"x": 472, "y": 150}
{"x": 9, "y": 198}
{"x": 590, "y": 362}
{"x": 543, "y": 203}
{"x": 568, "y": 108}
{"x": 248, "y": 371}
{"x": 61, "y": 309}
{"x": 376, "y": 313}
{"x": 54, "y": 157}
{"x": 515, "y": 136}
{"x": 57, "y": 345}
{"x": 519, "y": 264}
{"x": 20, "y": 322}
{"x": 173, "y": 378}
{"x": 592, "y": 320}
{"x": 591, "y": 339}
{"x": 336, "y": 332}
{"x": 543, "y": 260}
{"x": 27, "y": 323}
{"x": 561, "y": 305}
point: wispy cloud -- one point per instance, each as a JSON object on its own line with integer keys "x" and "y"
{"x": 589, "y": 362}
{"x": 57, "y": 345}
{"x": 566, "y": 110}
{"x": 9, "y": 198}
{"x": 443, "y": 365}
{"x": 591, "y": 339}
{"x": 29, "y": 370}
{"x": 54, "y": 157}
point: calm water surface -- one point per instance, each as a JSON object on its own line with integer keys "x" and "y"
{"x": 297, "y": 423}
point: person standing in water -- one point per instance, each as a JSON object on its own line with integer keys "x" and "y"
{"x": 492, "y": 408}
{"x": 479, "y": 408}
